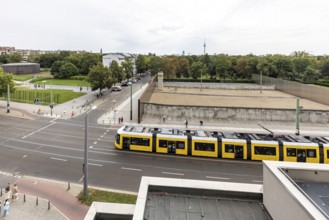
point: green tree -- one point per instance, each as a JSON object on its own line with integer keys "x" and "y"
{"x": 300, "y": 64}
{"x": 309, "y": 75}
{"x": 15, "y": 58}
{"x": 89, "y": 60}
{"x": 5, "y": 79}
{"x": 197, "y": 68}
{"x": 183, "y": 67}
{"x": 155, "y": 65}
{"x": 56, "y": 67}
{"x": 285, "y": 67}
{"x": 34, "y": 59}
{"x": 47, "y": 60}
{"x": 325, "y": 68}
{"x": 127, "y": 67}
{"x": 241, "y": 68}
{"x": 117, "y": 72}
{"x": 3, "y": 58}
{"x": 223, "y": 65}
{"x": 169, "y": 67}
{"x": 67, "y": 69}
{"x": 141, "y": 64}
{"x": 100, "y": 78}
{"x": 75, "y": 58}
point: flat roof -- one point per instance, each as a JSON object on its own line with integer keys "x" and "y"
{"x": 19, "y": 64}
{"x": 182, "y": 199}
{"x": 169, "y": 203}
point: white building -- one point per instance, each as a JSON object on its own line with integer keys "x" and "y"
{"x": 119, "y": 58}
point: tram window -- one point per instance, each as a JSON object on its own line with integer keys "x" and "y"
{"x": 311, "y": 153}
{"x": 291, "y": 152}
{"x": 328, "y": 154}
{"x": 163, "y": 143}
{"x": 117, "y": 138}
{"x": 140, "y": 141}
{"x": 205, "y": 146}
{"x": 265, "y": 150}
{"x": 180, "y": 145}
{"x": 229, "y": 148}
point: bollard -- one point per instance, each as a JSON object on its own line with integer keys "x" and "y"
{"x": 37, "y": 201}
{"x": 68, "y": 186}
{"x": 48, "y": 205}
{"x": 24, "y": 198}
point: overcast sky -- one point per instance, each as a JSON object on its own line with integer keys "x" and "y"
{"x": 235, "y": 27}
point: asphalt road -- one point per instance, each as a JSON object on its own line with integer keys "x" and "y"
{"x": 54, "y": 149}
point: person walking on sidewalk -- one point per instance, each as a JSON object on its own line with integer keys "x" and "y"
{"x": 6, "y": 207}
{"x": 14, "y": 190}
{"x": 186, "y": 123}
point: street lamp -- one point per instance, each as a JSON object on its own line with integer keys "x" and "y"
{"x": 298, "y": 108}
{"x": 131, "y": 102}
{"x": 85, "y": 163}
{"x": 8, "y": 98}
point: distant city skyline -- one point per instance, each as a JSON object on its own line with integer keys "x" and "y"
{"x": 236, "y": 27}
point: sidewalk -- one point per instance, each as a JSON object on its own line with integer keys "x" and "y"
{"x": 54, "y": 200}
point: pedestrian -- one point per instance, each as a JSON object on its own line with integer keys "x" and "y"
{"x": 6, "y": 207}
{"x": 121, "y": 119}
{"x": 15, "y": 191}
{"x": 186, "y": 123}
{"x": 64, "y": 111}
{"x": 201, "y": 123}
{"x": 164, "y": 118}
{"x": 7, "y": 189}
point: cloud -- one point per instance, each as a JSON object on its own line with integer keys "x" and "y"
{"x": 167, "y": 26}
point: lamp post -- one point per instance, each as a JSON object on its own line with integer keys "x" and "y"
{"x": 8, "y": 98}
{"x": 85, "y": 162}
{"x": 131, "y": 102}
{"x": 298, "y": 108}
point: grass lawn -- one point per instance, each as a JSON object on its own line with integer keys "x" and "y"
{"x": 105, "y": 196}
{"x": 22, "y": 94}
{"x": 61, "y": 82}
{"x": 24, "y": 77}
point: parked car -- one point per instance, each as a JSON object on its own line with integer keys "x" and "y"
{"x": 126, "y": 84}
{"x": 134, "y": 80}
{"x": 116, "y": 88}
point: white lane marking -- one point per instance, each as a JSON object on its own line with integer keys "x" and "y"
{"x": 55, "y": 158}
{"x": 53, "y": 120}
{"x": 91, "y": 146}
{"x": 102, "y": 136}
{"x": 38, "y": 130}
{"x": 95, "y": 142}
{"x": 24, "y": 156}
{"x": 81, "y": 178}
{"x": 133, "y": 169}
{"x": 219, "y": 178}
{"x": 35, "y": 182}
{"x": 257, "y": 181}
{"x": 177, "y": 174}
{"x": 95, "y": 164}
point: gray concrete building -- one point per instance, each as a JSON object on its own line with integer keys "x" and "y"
{"x": 21, "y": 68}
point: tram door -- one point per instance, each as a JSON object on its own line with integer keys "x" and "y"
{"x": 171, "y": 147}
{"x": 238, "y": 150}
{"x": 126, "y": 143}
{"x": 301, "y": 155}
